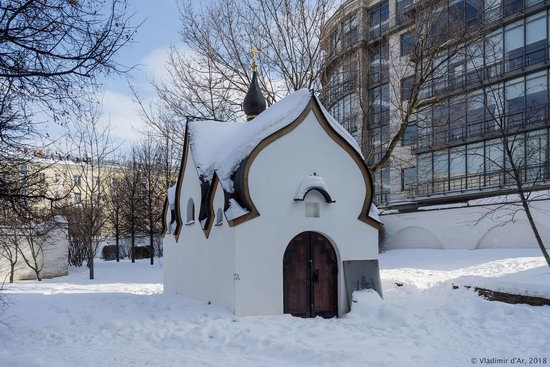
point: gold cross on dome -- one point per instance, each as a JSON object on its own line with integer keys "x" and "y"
{"x": 254, "y": 53}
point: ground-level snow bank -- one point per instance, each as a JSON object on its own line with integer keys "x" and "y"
{"x": 123, "y": 319}
{"x": 516, "y": 271}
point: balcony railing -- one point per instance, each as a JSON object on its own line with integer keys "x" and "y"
{"x": 533, "y": 176}
{"x": 493, "y": 13}
{"x": 331, "y": 93}
{"x": 533, "y": 118}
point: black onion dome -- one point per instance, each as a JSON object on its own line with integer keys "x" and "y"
{"x": 254, "y": 102}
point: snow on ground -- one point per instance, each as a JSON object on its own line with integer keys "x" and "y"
{"x": 123, "y": 319}
{"x": 515, "y": 271}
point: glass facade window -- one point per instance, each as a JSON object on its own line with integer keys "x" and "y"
{"x": 468, "y": 12}
{"x": 440, "y": 170}
{"x": 379, "y": 19}
{"x": 345, "y": 112}
{"x": 457, "y": 161}
{"x": 440, "y": 75}
{"x": 381, "y": 180}
{"x": 494, "y": 48}
{"x": 349, "y": 31}
{"x": 406, "y": 44}
{"x": 516, "y": 145}
{"x": 408, "y": 178}
{"x": 535, "y": 39}
{"x": 494, "y": 163}
{"x": 475, "y": 114}
{"x": 406, "y": 87}
{"x": 410, "y": 134}
{"x": 473, "y": 12}
{"x": 424, "y": 127}
{"x": 511, "y": 7}
{"x": 379, "y": 63}
{"x": 457, "y": 168}
{"x": 494, "y": 108}
{"x": 456, "y": 70}
{"x": 379, "y": 105}
{"x": 475, "y": 165}
{"x": 536, "y": 154}
{"x": 474, "y": 63}
{"x": 377, "y": 141}
{"x": 513, "y": 45}
{"x": 493, "y": 9}
{"x": 335, "y": 41}
{"x": 401, "y": 7}
{"x": 424, "y": 169}
{"x": 456, "y": 11}
{"x": 515, "y": 95}
{"x": 533, "y": 2}
{"x": 457, "y": 118}
{"x": 440, "y": 123}
{"x": 441, "y": 164}
{"x": 536, "y": 98}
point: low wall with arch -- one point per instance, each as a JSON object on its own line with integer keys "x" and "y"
{"x": 467, "y": 227}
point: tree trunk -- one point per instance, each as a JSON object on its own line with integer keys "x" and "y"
{"x": 12, "y": 272}
{"x": 91, "y": 264}
{"x": 117, "y": 235}
{"x": 534, "y": 228}
{"x": 152, "y": 246}
{"x": 517, "y": 177}
{"x": 36, "y": 267}
{"x": 133, "y": 244}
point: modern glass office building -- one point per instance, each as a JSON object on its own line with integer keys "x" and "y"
{"x": 452, "y": 150}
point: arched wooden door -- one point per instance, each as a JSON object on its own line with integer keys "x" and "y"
{"x": 310, "y": 277}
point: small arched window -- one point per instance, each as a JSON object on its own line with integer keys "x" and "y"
{"x": 219, "y": 217}
{"x": 190, "y": 212}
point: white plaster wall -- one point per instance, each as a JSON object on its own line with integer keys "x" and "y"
{"x": 274, "y": 177}
{"x": 455, "y": 228}
{"x": 195, "y": 266}
{"x": 56, "y": 256}
{"x": 53, "y": 261}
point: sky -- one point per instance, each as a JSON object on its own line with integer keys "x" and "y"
{"x": 147, "y": 54}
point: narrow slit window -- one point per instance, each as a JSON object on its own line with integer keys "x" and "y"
{"x": 190, "y": 212}
{"x": 219, "y": 217}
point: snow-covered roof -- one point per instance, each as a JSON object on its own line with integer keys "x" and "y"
{"x": 221, "y": 146}
{"x": 313, "y": 182}
{"x": 235, "y": 210}
{"x": 373, "y": 212}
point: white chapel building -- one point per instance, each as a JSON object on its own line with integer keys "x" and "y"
{"x": 272, "y": 215}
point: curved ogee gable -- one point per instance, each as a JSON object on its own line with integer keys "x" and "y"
{"x": 242, "y": 181}
{"x": 236, "y": 186}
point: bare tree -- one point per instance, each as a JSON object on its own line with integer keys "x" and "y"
{"x": 9, "y": 249}
{"x": 37, "y": 239}
{"x": 52, "y": 54}
{"x": 130, "y": 182}
{"x": 114, "y": 208}
{"x": 210, "y": 76}
{"x": 93, "y": 143}
{"x": 78, "y": 250}
{"x": 152, "y": 192}
{"x": 515, "y": 160}
{"x": 435, "y": 36}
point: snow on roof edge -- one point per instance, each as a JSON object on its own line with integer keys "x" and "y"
{"x": 222, "y": 146}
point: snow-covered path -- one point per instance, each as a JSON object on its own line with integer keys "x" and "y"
{"x": 123, "y": 319}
